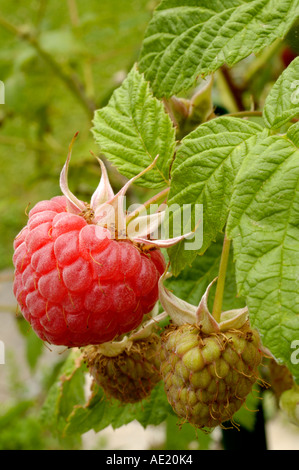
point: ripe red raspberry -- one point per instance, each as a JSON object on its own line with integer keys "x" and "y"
{"x": 87, "y": 273}
{"x": 75, "y": 284}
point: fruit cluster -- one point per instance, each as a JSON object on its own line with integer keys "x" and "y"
{"x": 84, "y": 278}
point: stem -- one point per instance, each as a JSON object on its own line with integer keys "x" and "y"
{"x": 40, "y": 14}
{"x": 10, "y": 27}
{"x": 252, "y": 114}
{"x": 70, "y": 80}
{"x": 217, "y": 307}
{"x": 73, "y": 11}
{"x": 171, "y": 114}
{"x": 234, "y": 90}
{"x": 147, "y": 204}
{"x": 245, "y": 114}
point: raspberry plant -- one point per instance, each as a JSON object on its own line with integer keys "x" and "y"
{"x": 162, "y": 130}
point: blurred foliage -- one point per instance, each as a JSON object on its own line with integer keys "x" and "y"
{"x": 34, "y": 345}
{"x": 59, "y": 61}
{"x": 21, "y": 429}
{"x": 185, "y": 436}
{"x": 20, "y": 424}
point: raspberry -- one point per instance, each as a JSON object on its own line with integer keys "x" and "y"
{"x": 208, "y": 363}
{"x": 208, "y": 376}
{"x": 83, "y": 273}
{"x": 129, "y": 376}
{"x": 77, "y": 284}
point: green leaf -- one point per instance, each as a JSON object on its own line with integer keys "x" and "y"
{"x": 65, "y": 393}
{"x": 282, "y": 103}
{"x": 293, "y": 133}
{"x": 88, "y": 416}
{"x": 99, "y": 412}
{"x": 182, "y": 436}
{"x": 264, "y": 225}
{"x": 203, "y": 172}
{"x": 133, "y": 129}
{"x": 188, "y": 38}
{"x": 154, "y": 410}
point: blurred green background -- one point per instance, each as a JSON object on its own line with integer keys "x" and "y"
{"x": 59, "y": 60}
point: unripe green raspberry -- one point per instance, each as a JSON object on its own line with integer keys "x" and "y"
{"x": 208, "y": 376}
{"x": 129, "y": 376}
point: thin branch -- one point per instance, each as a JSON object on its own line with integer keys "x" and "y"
{"x": 71, "y": 80}
{"x": 40, "y": 14}
{"x": 229, "y": 101}
{"x": 252, "y": 114}
{"x": 73, "y": 10}
{"x": 11, "y": 140}
{"x": 235, "y": 91}
{"x": 245, "y": 114}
